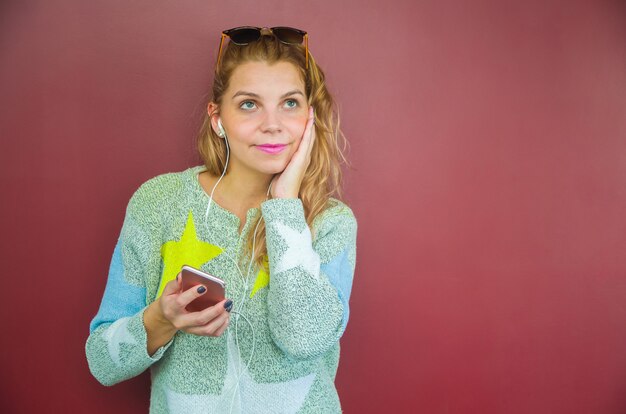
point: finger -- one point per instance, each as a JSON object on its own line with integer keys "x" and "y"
{"x": 212, "y": 328}
{"x": 312, "y": 141}
{"x": 186, "y": 297}
{"x": 223, "y": 328}
{"x": 305, "y": 143}
{"x": 216, "y": 324}
{"x": 311, "y": 134}
{"x": 172, "y": 287}
{"x": 310, "y": 126}
{"x": 207, "y": 315}
{"x": 192, "y": 320}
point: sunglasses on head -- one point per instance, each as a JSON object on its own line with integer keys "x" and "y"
{"x": 245, "y": 35}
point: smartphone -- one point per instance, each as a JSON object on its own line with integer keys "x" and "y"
{"x": 215, "y": 288}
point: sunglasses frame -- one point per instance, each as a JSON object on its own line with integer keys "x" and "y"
{"x": 305, "y": 39}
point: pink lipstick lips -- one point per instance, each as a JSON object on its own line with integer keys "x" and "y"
{"x": 271, "y": 148}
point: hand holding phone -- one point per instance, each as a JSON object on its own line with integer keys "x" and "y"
{"x": 215, "y": 288}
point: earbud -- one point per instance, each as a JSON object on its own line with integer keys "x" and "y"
{"x": 221, "y": 133}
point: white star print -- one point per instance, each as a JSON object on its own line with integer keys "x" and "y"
{"x": 299, "y": 250}
{"x": 243, "y": 395}
{"x": 115, "y": 335}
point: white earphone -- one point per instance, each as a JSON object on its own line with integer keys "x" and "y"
{"x": 221, "y": 133}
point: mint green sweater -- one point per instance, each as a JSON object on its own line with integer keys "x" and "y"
{"x": 281, "y": 356}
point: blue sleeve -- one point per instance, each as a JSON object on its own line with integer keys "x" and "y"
{"x": 117, "y": 345}
{"x": 121, "y": 299}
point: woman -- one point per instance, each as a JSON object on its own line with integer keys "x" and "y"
{"x": 259, "y": 215}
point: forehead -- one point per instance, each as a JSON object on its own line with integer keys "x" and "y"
{"x": 266, "y": 80}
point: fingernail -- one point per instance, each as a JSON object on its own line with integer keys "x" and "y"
{"x": 201, "y": 289}
{"x": 228, "y": 305}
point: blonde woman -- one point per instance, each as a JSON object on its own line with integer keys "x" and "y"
{"x": 263, "y": 215}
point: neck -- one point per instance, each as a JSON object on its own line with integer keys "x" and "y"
{"x": 249, "y": 189}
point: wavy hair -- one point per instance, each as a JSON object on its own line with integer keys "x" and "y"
{"x": 323, "y": 177}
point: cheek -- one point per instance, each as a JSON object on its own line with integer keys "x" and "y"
{"x": 242, "y": 132}
{"x": 296, "y": 128}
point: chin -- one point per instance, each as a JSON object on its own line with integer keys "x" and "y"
{"x": 274, "y": 167}
{"x": 274, "y": 171}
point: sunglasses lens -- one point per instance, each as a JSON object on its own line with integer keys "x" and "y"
{"x": 243, "y": 36}
{"x": 288, "y": 35}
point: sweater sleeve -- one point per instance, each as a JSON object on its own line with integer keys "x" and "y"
{"x": 310, "y": 282}
{"x": 117, "y": 344}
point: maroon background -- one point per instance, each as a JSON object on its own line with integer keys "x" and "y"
{"x": 489, "y": 181}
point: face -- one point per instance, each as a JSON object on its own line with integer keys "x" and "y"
{"x": 264, "y": 112}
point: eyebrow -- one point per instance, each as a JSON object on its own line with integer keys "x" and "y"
{"x": 254, "y": 95}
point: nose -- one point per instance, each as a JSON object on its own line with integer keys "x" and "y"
{"x": 271, "y": 122}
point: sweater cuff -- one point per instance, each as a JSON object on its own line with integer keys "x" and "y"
{"x": 143, "y": 335}
{"x": 288, "y": 210}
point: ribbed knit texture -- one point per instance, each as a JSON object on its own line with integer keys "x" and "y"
{"x": 294, "y": 322}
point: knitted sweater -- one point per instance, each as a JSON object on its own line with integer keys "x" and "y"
{"x": 281, "y": 356}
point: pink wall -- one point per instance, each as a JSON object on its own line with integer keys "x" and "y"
{"x": 489, "y": 180}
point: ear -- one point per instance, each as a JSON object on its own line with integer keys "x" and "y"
{"x": 213, "y": 111}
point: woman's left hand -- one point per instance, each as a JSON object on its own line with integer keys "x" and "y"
{"x": 287, "y": 184}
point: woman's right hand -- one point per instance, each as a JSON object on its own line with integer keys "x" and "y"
{"x": 211, "y": 321}
{"x": 167, "y": 315}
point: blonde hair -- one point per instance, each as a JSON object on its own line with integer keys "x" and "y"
{"x": 323, "y": 176}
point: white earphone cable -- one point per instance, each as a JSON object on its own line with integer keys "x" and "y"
{"x": 244, "y": 279}
{"x": 206, "y": 214}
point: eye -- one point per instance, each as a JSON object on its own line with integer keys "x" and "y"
{"x": 247, "y": 105}
{"x": 291, "y": 103}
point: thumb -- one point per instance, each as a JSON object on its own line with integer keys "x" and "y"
{"x": 173, "y": 286}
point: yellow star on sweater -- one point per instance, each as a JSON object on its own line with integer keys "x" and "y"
{"x": 187, "y": 251}
{"x": 262, "y": 278}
